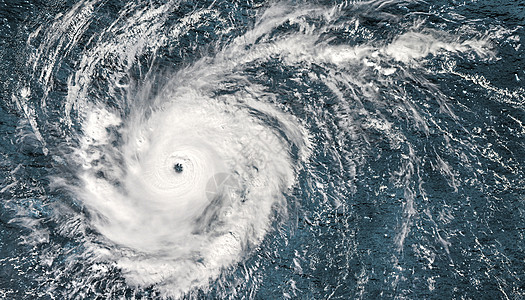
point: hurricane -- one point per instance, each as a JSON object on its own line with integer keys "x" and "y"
{"x": 262, "y": 150}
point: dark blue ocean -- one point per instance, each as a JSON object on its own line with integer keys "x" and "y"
{"x": 254, "y": 149}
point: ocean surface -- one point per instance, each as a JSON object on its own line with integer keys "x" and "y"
{"x": 262, "y": 149}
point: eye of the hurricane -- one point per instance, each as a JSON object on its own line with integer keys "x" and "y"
{"x": 178, "y": 168}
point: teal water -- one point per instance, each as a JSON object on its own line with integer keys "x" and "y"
{"x": 262, "y": 150}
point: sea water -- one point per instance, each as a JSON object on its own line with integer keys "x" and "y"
{"x": 262, "y": 149}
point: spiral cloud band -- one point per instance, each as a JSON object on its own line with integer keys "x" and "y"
{"x": 191, "y": 189}
{"x": 254, "y": 149}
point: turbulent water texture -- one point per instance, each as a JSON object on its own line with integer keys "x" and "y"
{"x": 262, "y": 150}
